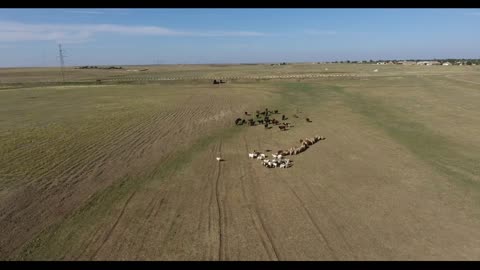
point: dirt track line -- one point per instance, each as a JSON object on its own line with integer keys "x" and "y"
{"x": 221, "y": 252}
{"x": 114, "y": 226}
{"x": 462, "y": 80}
{"x": 262, "y": 226}
{"x": 310, "y": 217}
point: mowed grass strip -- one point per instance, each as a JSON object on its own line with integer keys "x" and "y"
{"x": 440, "y": 152}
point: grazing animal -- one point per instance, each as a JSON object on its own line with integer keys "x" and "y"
{"x": 239, "y": 121}
{"x": 283, "y": 116}
{"x": 283, "y": 165}
{"x": 219, "y": 159}
{"x": 216, "y": 82}
{"x": 308, "y": 120}
{"x": 246, "y": 113}
{"x": 282, "y": 128}
{"x": 276, "y": 111}
{"x": 266, "y": 125}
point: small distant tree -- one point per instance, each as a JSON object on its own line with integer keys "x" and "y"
{"x": 469, "y": 63}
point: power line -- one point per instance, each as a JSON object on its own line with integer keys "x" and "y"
{"x": 62, "y": 62}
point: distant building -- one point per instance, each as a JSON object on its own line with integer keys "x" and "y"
{"x": 447, "y": 64}
{"x": 407, "y": 63}
{"x": 428, "y": 63}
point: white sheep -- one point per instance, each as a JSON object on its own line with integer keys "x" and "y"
{"x": 283, "y": 165}
{"x": 219, "y": 159}
{"x": 252, "y": 155}
{"x": 263, "y": 156}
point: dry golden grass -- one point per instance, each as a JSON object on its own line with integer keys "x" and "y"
{"x": 128, "y": 171}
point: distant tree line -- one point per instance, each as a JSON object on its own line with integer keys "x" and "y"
{"x": 96, "y": 67}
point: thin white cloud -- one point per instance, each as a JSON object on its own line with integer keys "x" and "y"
{"x": 15, "y": 31}
{"x": 320, "y": 32}
{"x": 89, "y": 12}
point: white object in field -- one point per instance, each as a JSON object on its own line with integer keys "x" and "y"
{"x": 326, "y": 68}
{"x": 219, "y": 159}
{"x": 376, "y": 70}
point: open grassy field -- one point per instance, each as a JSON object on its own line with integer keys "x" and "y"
{"x": 126, "y": 170}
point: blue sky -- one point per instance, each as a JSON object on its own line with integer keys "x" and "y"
{"x": 29, "y": 37}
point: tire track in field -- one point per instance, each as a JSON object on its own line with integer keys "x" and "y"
{"x": 307, "y": 212}
{"x": 221, "y": 214}
{"x": 261, "y": 229}
{"x": 109, "y": 233}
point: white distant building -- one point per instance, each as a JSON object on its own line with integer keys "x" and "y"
{"x": 447, "y": 64}
{"x": 407, "y": 63}
{"x": 428, "y": 63}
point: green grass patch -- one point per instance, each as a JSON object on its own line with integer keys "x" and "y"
{"x": 432, "y": 147}
{"x": 58, "y": 239}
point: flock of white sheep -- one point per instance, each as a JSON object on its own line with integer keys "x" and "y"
{"x": 277, "y": 160}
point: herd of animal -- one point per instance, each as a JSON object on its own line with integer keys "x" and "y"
{"x": 266, "y": 119}
{"x": 218, "y": 82}
{"x": 278, "y": 160}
